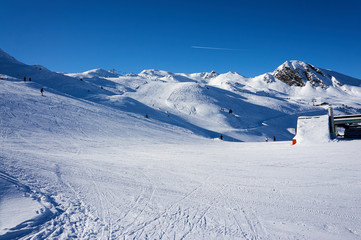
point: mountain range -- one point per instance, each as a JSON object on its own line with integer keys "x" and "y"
{"x": 207, "y": 104}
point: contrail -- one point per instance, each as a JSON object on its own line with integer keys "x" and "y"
{"x": 214, "y": 48}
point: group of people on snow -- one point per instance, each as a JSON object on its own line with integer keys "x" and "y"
{"x": 41, "y": 90}
{"x": 274, "y": 139}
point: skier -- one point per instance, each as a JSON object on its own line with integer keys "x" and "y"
{"x": 29, "y": 79}
{"x": 274, "y": 138}
{"x": 221, "y": 137}
{"x": 24, "y": 79}
{"x": 266, "y": 139}
{"x": 42, "y": 91}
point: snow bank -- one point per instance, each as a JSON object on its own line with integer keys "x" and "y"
{"x": 313, "y": 129}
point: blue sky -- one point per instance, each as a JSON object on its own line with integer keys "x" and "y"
{"x": 249, "y": 37}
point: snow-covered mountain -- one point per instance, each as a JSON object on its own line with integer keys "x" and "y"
{"x": 94, "y": 73}
{"x": 208, "y": 104}
{"x": 296, "y": 73}
{"x": 46, "y": 78}
{"x": 140, "y": 157}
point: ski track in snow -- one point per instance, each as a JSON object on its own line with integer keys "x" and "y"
{"x": 32, "y": 227}
{"x": 206, "y": 199}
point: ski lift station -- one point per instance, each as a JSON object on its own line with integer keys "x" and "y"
{"x": 326, "y": 127}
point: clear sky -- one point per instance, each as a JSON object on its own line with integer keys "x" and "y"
{"x": 249, "y": 37}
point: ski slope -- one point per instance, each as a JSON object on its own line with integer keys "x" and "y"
{"x": 80, "y": 169}
{"x": 261, "y": 107}
{"x": 83, "y": 161}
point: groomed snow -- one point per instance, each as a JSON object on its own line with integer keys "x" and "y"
{"x": 108, "y": 174}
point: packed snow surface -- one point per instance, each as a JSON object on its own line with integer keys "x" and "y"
{"x": 84, "y": 161}
{"x": 15, "y": 207}
{"x": 103, "y": 174}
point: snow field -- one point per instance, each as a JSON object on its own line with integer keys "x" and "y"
{"x": 84, "y": 162}
{"x": 107, "y": 174}
{"x": 111, "y": 189}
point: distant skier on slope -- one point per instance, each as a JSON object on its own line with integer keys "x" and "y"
{"x": 42, "y": 91}
{"x": 266, "y": 139}
{"x": 274, "y": 138}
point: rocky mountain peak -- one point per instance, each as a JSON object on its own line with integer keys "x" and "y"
{"x": 209, "y": 75}
{"x": 297, "y": 73}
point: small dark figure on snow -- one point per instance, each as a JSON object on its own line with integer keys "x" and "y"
{"x": 42, "y": 91}
{"x": 266, "y": 139}
{"x": 29, "y": 79}
{"x": 230, "y": 111}
{"x": 274, "y": 138}
{"x": 24, "y": 79}
{"x": 221, "y": 137}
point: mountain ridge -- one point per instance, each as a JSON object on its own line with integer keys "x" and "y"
{"x": 207, "y": 104}
{"x": 291, "y": 72}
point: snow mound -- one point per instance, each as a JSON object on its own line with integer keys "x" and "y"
{"x": 313, "y": 129}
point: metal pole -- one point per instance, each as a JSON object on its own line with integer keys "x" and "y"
{"x": 331, "y": 121}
